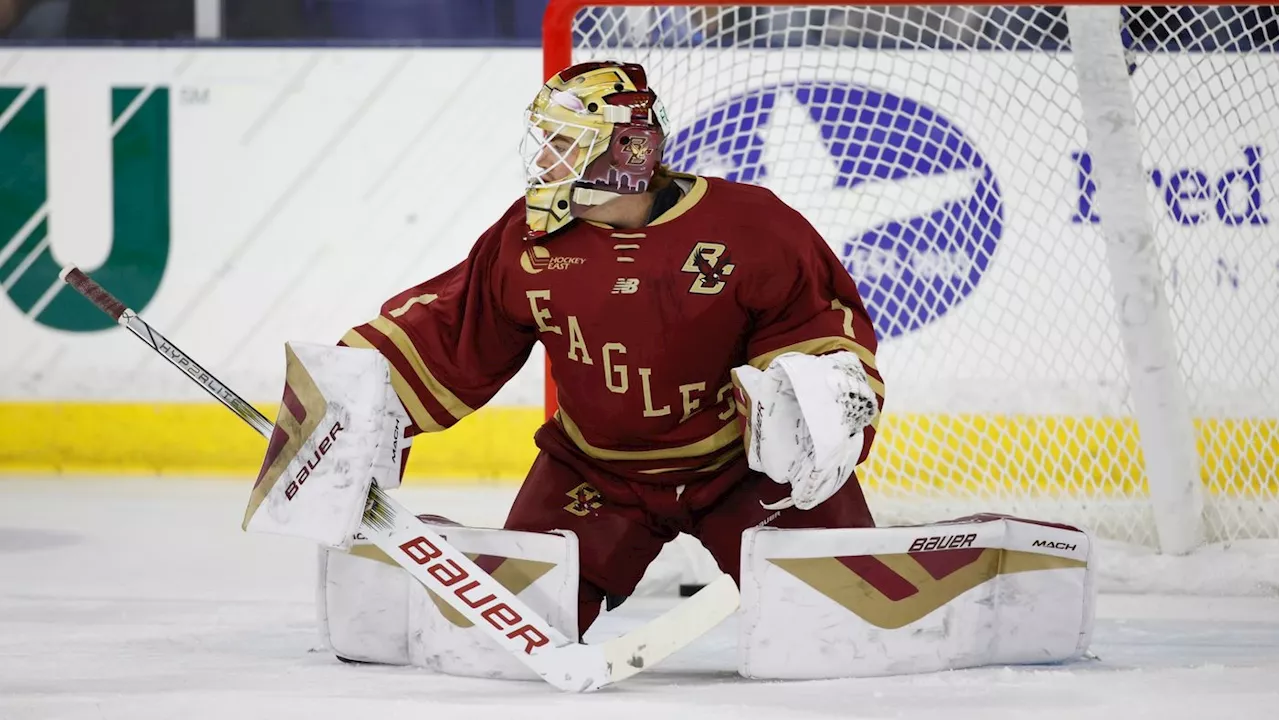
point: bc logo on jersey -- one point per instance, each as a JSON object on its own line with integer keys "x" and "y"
{"x": 905, "y": 199}
{"x": 710, "y": 262}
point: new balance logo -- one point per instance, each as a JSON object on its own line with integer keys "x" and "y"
{"x": 626, "y": 286}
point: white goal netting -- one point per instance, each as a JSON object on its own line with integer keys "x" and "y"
{"x": 944, "y": 153}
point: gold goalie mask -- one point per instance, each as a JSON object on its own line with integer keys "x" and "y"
{"x": 594, "y": 132}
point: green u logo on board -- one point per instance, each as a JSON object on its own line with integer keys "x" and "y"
{"x": 140, "y": 204}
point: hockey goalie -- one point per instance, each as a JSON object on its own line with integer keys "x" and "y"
{"x": 716, "y": 376}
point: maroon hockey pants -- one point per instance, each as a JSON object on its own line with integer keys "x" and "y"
{"x": 618, "y": 538}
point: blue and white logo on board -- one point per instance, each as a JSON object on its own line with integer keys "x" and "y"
{"x": 905, "y": 199}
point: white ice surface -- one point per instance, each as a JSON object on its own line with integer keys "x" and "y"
{"x": 141, "y": 599}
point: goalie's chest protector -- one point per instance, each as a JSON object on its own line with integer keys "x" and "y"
{"x": 643, "y": 326}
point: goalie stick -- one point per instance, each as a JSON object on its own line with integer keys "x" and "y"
{"x": 452, "y": 576}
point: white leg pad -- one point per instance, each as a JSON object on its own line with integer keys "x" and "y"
{"x": 988, "y": 590}
{"x": 371, "y": 610}
{"x": 362, "y": 605}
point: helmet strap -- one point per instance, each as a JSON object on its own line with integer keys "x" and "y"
{"x": 591, "y": 196}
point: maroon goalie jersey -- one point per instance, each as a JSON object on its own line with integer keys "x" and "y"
{"x": 642, "y": 327}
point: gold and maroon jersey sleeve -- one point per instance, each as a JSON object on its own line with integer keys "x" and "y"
{"x": 449, "y": 341}
{"x": 807, "y": 303}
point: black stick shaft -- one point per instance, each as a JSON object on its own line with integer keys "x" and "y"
{"x": 109, "y": 304}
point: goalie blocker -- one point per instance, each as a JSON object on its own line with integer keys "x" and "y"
{"x": 340, "y": 429}
{"x": 984, "y": 590}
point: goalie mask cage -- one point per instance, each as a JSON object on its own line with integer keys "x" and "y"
{"x": 1062, "y": 220}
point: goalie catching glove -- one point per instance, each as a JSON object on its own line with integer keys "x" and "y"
{"x": 805, "y": 417}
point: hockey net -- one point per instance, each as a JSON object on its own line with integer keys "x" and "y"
{"x": 1077, "y": 317}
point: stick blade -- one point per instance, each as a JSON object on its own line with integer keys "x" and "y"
{"x": 646, "y": 646}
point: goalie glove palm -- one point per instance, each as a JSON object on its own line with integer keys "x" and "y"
{"x": 778, "y": 443}
{"x": 806, "y": 420}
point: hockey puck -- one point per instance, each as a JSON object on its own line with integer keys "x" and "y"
{"x": 689, "y": 590}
